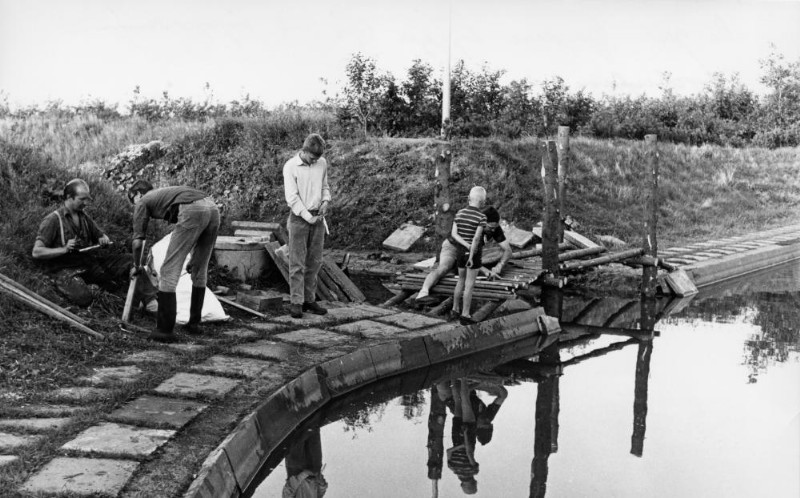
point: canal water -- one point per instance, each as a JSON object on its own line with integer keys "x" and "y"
{"x": 710, "y": 407}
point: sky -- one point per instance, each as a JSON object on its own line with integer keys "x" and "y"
{"x": 285, "y": 51}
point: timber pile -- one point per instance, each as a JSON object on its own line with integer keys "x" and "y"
{"x": 332, "y": 283}
{"x": 512, "y": 279}
{"x": 26, "y": 296}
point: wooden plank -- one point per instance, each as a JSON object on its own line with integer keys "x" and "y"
{"x": 258, "y": 234}
{"x": 239, "y": 306}
{"x": 609, "y": 258}
{"x": 404, "y": 237}
{"x": 260, "y": 300}
{"x": 342, "y": 280}
{"x": 336, "y": 294}
{"x": 279, "y": 259}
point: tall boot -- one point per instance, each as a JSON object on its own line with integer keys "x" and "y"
{"x": 165, "y": 318}
{"x": 196, "y": 310}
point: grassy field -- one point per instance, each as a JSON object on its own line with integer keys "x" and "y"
{"x": 706, "y": 192}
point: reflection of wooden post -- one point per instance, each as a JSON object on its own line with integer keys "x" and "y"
{"x": 551, "y": 220}
{"x": 648, "y": 320}
{"x": 436, "y": 420}
{"x": 546, "y": 430}
{"x": 444, "y": 211}
{"x": 563, "y": 171}
{"x": 650, "y": 243}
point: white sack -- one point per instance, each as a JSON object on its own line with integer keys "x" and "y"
{"x": 212, "y": 309}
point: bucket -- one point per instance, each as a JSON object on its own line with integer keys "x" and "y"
{"x": 245, "y": 257}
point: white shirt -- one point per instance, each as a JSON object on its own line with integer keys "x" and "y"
{"x": 306, "y": 186}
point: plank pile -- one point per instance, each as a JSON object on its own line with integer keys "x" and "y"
{"x": 332, "y": 283}
{"x": 26, "y": 296}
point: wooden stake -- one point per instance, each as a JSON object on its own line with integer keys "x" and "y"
{"x": 39, "y": 306}
{"x": 239, "y": 306}
{"x": 650, "y": 243}
{"x": 551, "y": 215}
{"x": 37, "y": 297}
{"x": 563, "y": 171}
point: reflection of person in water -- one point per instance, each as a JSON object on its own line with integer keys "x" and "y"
{"x": 304, "y": 467}
{"x": 461, "y": 457}
{"x": 484, "y": 415}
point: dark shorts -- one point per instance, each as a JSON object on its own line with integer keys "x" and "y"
{"x": 463, "y": 256}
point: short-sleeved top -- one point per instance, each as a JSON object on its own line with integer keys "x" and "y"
{"x": 86, "y": 231}
{"x": 161, "y": 203}
{"x": 467, "y": 221}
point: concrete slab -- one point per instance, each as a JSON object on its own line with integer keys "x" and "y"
{"x": 266, "y": 349}
{"x": 195, "y": 386}
{"x": 368, "y": 329}
{"x": 357, "y": 312}
{"x": 187, "y": 347}
{"x": 313, "y": 338}
{"x": 308, "y": 320}
{"x": 215, "y": 477}
{"x": 234, "y": 366}
{"x": 7, "y": 459}
{"x": 149, "y": 356}
{"x": 158, "y": 411}
{"x": 35, "y": 424}
{"x": 117, "y": 439}
{"x": 113, "y": 375}
{"x": 246, "y": 450}
{"x": 82, "y": 476}
{"x": 410, "y": 320}
{"x": 348, "y": 372}
{"x": 241, "y": 333}
{"x": 13, "y": 441}
{"x": 267, "y": 327}
{"x": 80, "y": 394}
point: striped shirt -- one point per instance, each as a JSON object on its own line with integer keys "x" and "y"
{"x": 467, "y": 221}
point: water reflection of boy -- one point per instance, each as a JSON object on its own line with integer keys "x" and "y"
{"x": 461, "y": 457}
{"x": 485, "y": 414}
{"x": 304, "y": 463}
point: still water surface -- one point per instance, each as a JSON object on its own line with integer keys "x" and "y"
{"x": 710, "y": 408}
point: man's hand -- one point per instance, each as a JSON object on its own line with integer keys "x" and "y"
{"x": 104, "y": 240}
{"x": 72, "y": 245}
{"x": 323, "y": 209}
{"x": 314, "y": 220}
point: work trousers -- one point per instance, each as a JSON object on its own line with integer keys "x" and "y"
{"x": 305, "y": 258}
{"x": 197, "y": 227}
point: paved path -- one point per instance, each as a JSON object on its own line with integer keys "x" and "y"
{"x": 102, "y": 458}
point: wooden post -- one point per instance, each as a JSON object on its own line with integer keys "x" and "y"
{"x": 546, "y": 428}
{"x": 442, "y": 198}
{"x": 647, "y": 323}
{"x": 551, "y": 217}
{"x": 563, "y": 171}
{"x": 650, "y": 243}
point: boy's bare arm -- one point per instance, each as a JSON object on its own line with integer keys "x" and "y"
{"x": 457, "y": 237}
{"x": 476, "y": 240}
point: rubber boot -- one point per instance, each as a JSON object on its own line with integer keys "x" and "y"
{"x": 196, "y": 311}
{"x": 165, "y": 318}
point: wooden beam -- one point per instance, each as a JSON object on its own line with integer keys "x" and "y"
{"x": 343, "y": 281}
{"x": 563, "y": 171}
{"x": 239, "y": 306}
{"x": 551, "y": 218}
{"x": 609, "y": 258}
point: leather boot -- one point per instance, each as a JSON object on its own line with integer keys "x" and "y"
{"x": 165, "y": 318}
{"x": 196, "y": 311}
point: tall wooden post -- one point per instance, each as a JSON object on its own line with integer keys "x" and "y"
{"x": 546, "y": 430}
{"x": 650, "y": 243}
{"x": 551, "y": 217}
{"x": 442, "y": 198}
{"x": 563, "y": 171}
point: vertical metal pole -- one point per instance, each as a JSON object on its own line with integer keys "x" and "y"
{"x": 563, "y": 171}
{"x": 650, "y": 243}
{"x": 551, "y": 217}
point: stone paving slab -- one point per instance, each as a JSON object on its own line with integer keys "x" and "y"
{"x": 6, "y": 459}
{"x": 369, "y": 329}
{"x": 117, "y": 439}
{"x": 186, "y": 347}
{"x": 80, "y": 394}
{"x": 241, "y": 333}
{"x": 308, "y": 319}
{"x": 113, "y": 375}
{"x": 313, "y": 338}
{"x": 196, "y": 385}
{"x": 230, "y": 365}
{"x": 82, "y": 476}
{"x": 13, "y": 441}
{"x": 158, "y": 411}
{"x": 149, "y": 356}
{"x": 358, "y": 312}
{"x": 35, "y": 424}
{"x": 266, "y": 349}
{"x": 410, "y": 320}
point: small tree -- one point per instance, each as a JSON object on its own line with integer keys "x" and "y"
{"x": 364, "y": 90}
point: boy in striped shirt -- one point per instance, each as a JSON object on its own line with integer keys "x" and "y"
{"x": 467, "y": 235}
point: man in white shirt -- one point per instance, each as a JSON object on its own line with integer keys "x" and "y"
{"x": 305, "y": 182}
